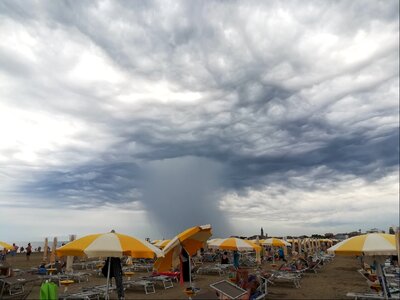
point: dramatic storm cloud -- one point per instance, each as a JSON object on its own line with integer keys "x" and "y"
{"x": 153, "y": 116}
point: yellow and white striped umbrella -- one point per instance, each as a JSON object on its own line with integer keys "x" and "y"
{"x": 109, "y": 245}
{"x": 4, "y": 245}
{"x": 161, "y": 243}
{"x": 234, "y": 244}
{"x": 326, "y": 240}
{"x": 366, "y": 244}
{"x": 191, "y": 240}
{"x": 275, "y": 242}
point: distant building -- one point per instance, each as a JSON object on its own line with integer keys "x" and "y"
{"x": 375, "y": 230}
{"x": 241, "y": 237}
{"x": 341, "y": 236}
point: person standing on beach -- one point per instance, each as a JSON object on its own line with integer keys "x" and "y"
{"x": 281, "y": 254}
{"x": 236, "y": 259}
{"x": 28, "y": 251}
{"x": 13, "y": 252}
{"x": 3, "y": 255}
{"x": 116, "y": 272}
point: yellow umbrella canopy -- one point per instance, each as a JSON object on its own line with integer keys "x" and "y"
{"x": 109, "y": 244}
{"x": 326, "y": 240}
{"x": 4, "y": 245}
{"x": 275, "y": 242}
{"x": 366, "y": 244}
{"x": 191, "y": 240}
{"x": 234, "y": 244}
{"x": 161, "y": 243}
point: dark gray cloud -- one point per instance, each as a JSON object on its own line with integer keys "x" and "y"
{"x": 231, "y": 97}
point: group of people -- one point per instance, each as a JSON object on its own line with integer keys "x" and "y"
{"x": 12, "y": 252}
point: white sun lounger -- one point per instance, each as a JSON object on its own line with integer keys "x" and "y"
{"x": 165, "y": 280}
{"x": 228, "y": 289}
{"x": 146, "y": 284}
{"x": 88, "y": 295}
{"x": 210, "y": 269}
{"x": 141, "y": 267}
{"x": 371, "y": 296}
{"x": 286, "y": 277}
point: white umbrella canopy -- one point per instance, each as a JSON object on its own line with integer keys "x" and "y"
{"x": 109, "y": 244}
{"x": 275, "y": 242}
{"x": 366, "y": 244}
{"x": 233, "y": 244}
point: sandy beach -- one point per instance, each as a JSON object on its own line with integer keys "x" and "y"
{"x": 332, "y": 281}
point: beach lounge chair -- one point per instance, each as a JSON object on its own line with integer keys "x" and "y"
{"x": 146, "y": 284}
{"x": 79, "y": 265}
{"x": 228, "y": 289}
{"x": 196, "y": 260}
{"x": 16, "y": 285}
{"x": 141, "y": 267}
{"x": 211, "y": 257}
{"x": 165, "y": 280}
{"x": 78, "y": 276}
{"x": 365, "y": 296}
{"x": 247, "y": 260}
{"x": 290, "y": 268}
{"x": 314, "y": 267}
{"x": 99, "y": 289}
{"x": 210, "y": 269}
{"x": 88, "y": 295}
{"x": 173, "y": 275}
{"x": 277, "y": 277}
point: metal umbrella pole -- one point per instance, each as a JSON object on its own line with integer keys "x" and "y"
{"x": 382, "y": 278}
{"x": 107, "y": 296}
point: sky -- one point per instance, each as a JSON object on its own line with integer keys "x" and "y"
{"x": 149, "y": 117}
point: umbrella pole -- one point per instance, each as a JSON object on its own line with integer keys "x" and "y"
{"x": 382, "y": 280}
{"x": 273, "y": 254}
{"x": 381, "y": 276}
{"x": 107, "y": 296}
{"x": 190, "y": 269}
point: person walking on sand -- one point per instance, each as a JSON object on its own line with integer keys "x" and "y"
{"x": 28, "y": 251}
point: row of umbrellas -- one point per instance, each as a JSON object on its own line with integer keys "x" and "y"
{"x": 275, "y": 242}
{"x": 233, "y": 243}
{"x": 114, "y": 244}
{"x": 117, "y": 245}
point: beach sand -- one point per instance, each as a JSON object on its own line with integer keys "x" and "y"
{"x": 333, "y": 281}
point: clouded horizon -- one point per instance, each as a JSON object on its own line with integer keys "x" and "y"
{"x": 153, "y": 116}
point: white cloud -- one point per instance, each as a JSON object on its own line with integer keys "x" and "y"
{"x": 285, "y": 209}
{"x": 295, "y": 102}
